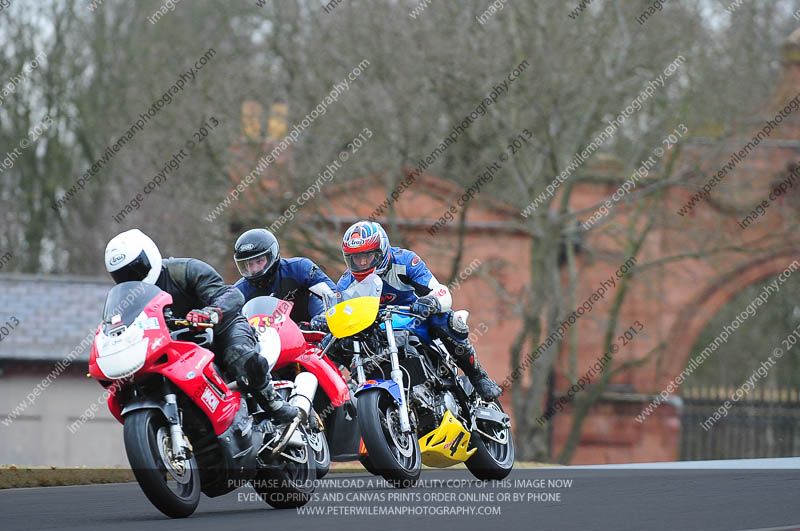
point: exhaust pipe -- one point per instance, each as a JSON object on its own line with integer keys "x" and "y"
{"x": 305, "y": 386}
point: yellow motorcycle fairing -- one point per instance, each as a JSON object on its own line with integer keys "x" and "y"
{"x": 446, "y": 445}
{"x": 352, "y": 316}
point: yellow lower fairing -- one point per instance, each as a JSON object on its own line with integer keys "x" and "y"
{"x": 446, "y": 445}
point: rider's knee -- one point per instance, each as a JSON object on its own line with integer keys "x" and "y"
{"x": 457, "y": 326}
{"x": 257, "y": 370}
{"x": 235, "y": 358}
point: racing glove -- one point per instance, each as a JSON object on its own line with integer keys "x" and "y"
{"x": 319, "y": 322}
{"x": 208, "y": 315}
{"x": 425, "y": 306}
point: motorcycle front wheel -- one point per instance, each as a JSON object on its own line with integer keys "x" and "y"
{"x": 367, "y": 464}
{"x": 172, "y": 485}
{"x": 393, "y": 454}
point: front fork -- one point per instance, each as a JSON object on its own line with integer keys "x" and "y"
{"x": 396, "y": 374}
{"x": 173, "y": 418}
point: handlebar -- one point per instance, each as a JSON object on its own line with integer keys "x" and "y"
{"x": 184, "y": 322}
{"x": 400, "y": 309}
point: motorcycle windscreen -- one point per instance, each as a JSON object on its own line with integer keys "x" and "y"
{"x": 125, "y": 302}
{"x": 271, "y": 309}
{"x": 371, "y": 286}
{"x": 352, "y": 316}
{"x": 357, "y": 309}
{"x": 122, "y": 345}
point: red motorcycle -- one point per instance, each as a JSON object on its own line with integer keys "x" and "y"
{"x": 186, "y": 431}
{"x": 332, "y": 430}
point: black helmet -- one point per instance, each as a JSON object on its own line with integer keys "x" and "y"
{"x": 257, "y": 256}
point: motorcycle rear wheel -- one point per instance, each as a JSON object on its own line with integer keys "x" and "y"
{"x": 492, "y": 460}
{"x": 148, "y": 445}
{"x": 290, "y": 486}
{"x": 322, "y": 453}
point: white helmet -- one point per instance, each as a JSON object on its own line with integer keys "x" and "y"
{"x": 132, "y": 255}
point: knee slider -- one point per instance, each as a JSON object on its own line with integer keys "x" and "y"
{"x": 458, "y": 326}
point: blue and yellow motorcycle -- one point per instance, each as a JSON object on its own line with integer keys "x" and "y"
{"x": 413, "y": 407}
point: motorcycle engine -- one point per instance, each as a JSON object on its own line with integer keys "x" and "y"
{"x": 423, "y": 397}
{"x": 437, "y": 404}
{"x": 446, "y": 402}
{"x": 431, "y": 406}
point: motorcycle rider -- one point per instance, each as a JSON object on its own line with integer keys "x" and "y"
{"x": 408, "y": 281}
{"x": 200, "y": 294}
{"x": 258, "y": 258}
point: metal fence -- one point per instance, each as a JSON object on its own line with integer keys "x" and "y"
{"x": 763, "y": 423}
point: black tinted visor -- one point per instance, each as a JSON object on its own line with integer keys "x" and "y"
{"x": 133, "y": 272}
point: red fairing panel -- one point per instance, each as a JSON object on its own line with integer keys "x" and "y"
{"x": 187, "y": 365}
{"x": 292, "y": 340}
{"x": 295, "y": 349}
{"x": 196, "y": 377}
{"x": 330, "y": 379}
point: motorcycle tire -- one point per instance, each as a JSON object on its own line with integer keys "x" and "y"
{"x": 322, "y": 454}
{"x": 289, "y": 486}
{"x": 367, "y": 464}
{"x": 377, "y": 413}
{"x": 492, "y": 459}
{"x": 144, "y": 431}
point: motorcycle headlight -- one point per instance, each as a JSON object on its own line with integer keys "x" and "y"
{"x": 123, "y": 353}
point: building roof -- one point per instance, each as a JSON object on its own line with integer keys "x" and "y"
{"x": 55, "y": 314}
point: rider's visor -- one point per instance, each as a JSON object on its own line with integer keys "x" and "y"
{"x": 255, "y": 266}
{"x": 137, "y": 270}
{"x": 359, "y": 262}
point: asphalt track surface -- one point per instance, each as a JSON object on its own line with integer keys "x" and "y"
{"x": 722, "y": 496}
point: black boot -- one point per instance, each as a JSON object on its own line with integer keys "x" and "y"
{"x": 276, "y": 407}
{"x": 258, "y": 381}
{"x": 467, "y": 361}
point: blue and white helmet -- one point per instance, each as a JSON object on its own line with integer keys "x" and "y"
{"x": 365, "y": 247}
